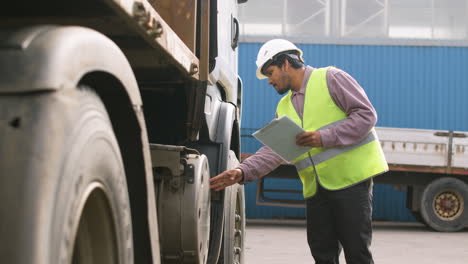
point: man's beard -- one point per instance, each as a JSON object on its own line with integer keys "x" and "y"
{"x": 286, "y": 81}
{"x": 283, "y": 90}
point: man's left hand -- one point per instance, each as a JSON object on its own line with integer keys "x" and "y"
{"x": 309, "y": 139}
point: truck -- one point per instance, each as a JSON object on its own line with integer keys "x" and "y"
{"x": 114, "y": 114}
{"x": 431, "y": 166}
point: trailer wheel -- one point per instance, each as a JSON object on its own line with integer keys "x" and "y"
{"x": 443, "y": 205}
{"x": 69, "y": 201}
{"x": 233, "y": 250}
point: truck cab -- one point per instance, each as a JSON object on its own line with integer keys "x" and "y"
{"x": 114, "y": 115}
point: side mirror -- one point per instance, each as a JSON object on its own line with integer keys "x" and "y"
{"x": 241, "y": 1}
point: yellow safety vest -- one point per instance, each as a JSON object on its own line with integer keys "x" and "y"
{"x": 338, "y": 167}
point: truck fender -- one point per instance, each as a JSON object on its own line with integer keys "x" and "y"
{"x": 38, "y": 59}
{"x": 51, "y": 58}
{"x": 227, "y": 130}
{"x": 226, "y": 118}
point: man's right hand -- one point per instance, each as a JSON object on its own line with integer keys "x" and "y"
{"x": 309, "y": 139}
{"x": 225, "y": 179}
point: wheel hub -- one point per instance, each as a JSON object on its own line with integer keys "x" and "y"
{"x": 447, "y": 205}
{"x": 95, "y": 240}
{"x": 184, "y": 212}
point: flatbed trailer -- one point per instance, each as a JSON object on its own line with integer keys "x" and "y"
{"x": 430, "y": 165}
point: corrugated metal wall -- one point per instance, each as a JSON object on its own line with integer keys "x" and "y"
{"x": 411, "y": 87}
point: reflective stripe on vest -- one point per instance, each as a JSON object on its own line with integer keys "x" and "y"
{"x": 333, "y": 152}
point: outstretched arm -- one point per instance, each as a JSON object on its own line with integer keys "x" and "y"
{"x": 254, "y": 167}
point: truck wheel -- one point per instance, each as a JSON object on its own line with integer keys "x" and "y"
{"x": 232, "y": 251}
{"x": 73, "y": 207}
{"x": 443, "y": 205}
{"x": 94, "y": 190}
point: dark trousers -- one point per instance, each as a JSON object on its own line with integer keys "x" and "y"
{"x": 341, "y": 220}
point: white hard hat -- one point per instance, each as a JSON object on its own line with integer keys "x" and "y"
{"x": 270, "y": 49}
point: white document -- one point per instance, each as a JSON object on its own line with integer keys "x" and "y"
{"x": 280, "y": 136}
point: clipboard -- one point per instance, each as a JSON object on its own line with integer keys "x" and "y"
{"x": 280, "y": 136}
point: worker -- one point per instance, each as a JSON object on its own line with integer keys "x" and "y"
{"x": 344, "y": 154}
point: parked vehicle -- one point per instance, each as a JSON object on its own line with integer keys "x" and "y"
{"x": 113, "y": 117}
{"x": 430, "y": 165}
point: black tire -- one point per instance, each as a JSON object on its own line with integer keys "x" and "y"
{"x": 82, "y": 204}
{"x": 233, "y": 248}
{"x": 443, "y": 205}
